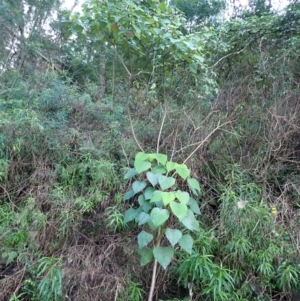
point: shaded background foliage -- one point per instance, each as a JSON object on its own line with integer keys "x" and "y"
{"x": 228, "y": 92}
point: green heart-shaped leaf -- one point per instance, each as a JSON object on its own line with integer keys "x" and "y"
{"x": 194, "y": 185}
{"x": 141, "y": 156}
{"x": 183, "y": 170}
{"x": 159, "y": 169}
{"x": 186, "y": 243}
{"x": 144, "y": 238}
{"x": 171, "y": 166}
{"x": 182, "y": 196}
{"x": 173, "y": 235}
{"x": 179, "y": 210}
{"x": 138, "y": 186}
{"x": 161, "y": 158}
{"x": 163, "y": 255}
{"x": 152, "y": 178}
{"x": 151, "y": 225}
{"x": 142, "y": 166}
{"x": 167, "y": 197}
{"x": 149, "y": 193}
{"x": 146, "y": 255}
{"x": 131, "y": 173}
{"x": 128, "y": 195}
{"x": 190, "y": 221}
{"x": 142, "y": 218}
{"x": 146, "y": 207}
{"x": 141, "y": 200}
{"x": 166, "y": 182}
{"x": 159, "y": 216}
{"x": 156, "y": 196}
{"x": 130, "y": 215}
{"x": 194, "y": 206}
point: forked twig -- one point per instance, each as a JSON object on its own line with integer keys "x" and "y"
{"x": 200, "y": 143}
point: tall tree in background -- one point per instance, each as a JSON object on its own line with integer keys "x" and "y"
{"x": 252, "y": 8}
{"x": 146, "y": 41}
{"x": 24, "y": 25}
{"x": 198, "y": 11}
{"x": 259, "y": 7}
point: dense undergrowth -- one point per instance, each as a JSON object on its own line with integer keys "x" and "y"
{"x": 64, "y": 153}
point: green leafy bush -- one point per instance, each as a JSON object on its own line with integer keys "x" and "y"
{"x": 159, "y": 197}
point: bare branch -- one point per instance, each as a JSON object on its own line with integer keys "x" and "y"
{"x": 199, "y": 144}
{"x": 132, "y": 130}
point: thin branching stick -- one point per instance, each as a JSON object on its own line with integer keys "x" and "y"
{"x": 160, "y": 130}
{"x": 153, "y": 281}
{"x": 150, "y": 298}
{"x": 200, "y": 143}
{"x": 127, "y": 101}
{"x": 132, "y": 129}
{"x": 122, "y": 62}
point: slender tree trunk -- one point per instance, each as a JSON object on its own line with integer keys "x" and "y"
{"x": 102, "y": 81}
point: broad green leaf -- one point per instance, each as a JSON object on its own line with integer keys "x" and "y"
{"x": 193, "y": 190}
{"x": 159, "y": 204}
{"x": 182, "y": 196}
{"x": 151, "y": 224}
{"x": 157, "y": 31}
{"x": 151, "y": 157}
{"x": 130, "y": 215}
{"x": 149, "y": 193}
{"x": 166, "y": 35}
{"x": 152, "y": 178}
{"x": 194, "y": 206}
{"x": 138, "y": 186}
{"x": 163, "y": 6}
{"x": 167, "y": 197}
{"x": 183, "y": 171}
{"x": 146, "y": 255}
{"x": 186, "y": 243}
{"x": 146, "y": 207}
{"x": 159, "y": 169}
{"x": 142, "y": 218}
{"x": 194, "y": 185}
{"x": 163, "y": 255}
{"x": 171, "y": 166}
{"x": 137, "y": 31}
{"x": 144, "y": 238}
{"x": 199, "y": 58}
{"x": 141, "y": 200}
{"x": 131, "y": 173}
{"x": 190, "y": 222}
{"x": 141, "y": 166}
{"x": 128, "y": 195}
{"x": 173, "y": 235}
{"x": 141, "y": 156}
{"x": 161, "y": 158}
{"x": 179, "y": 210}
{"x": 193, "y": 67}
{"x": 156, "y": 196}
{"x": 166, "y": 182}
{"x": 159, "y": 216}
